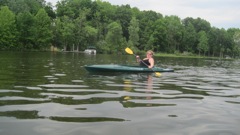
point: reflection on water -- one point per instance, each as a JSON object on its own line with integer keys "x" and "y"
{"x": 53, "y": 94}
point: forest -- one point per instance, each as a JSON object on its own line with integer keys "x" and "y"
{"x": 73, "y": 25}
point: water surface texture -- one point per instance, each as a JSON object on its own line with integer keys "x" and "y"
{"x": 52, "y": 94}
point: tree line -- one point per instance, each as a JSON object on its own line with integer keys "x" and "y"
{"x": 73, "y": 25}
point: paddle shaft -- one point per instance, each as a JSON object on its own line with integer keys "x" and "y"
{"x": 142, "y": 61}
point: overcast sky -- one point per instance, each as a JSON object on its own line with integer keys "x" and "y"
{"x": 219, "y": 13}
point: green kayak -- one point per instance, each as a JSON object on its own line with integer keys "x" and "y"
{"x": 124, "y": 68}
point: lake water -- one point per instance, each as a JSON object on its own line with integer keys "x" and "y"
{"x": 43, "y": 93}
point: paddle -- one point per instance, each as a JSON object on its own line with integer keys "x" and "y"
{"x": 129, "y": 51}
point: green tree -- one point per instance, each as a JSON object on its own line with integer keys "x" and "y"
{"x": 66, "y": 27}
{"x": 19, "y": 6}
{"x": 133, "y": 33}
{"x": 74, "y": 23}
{"x": 72, "y": 8}
{"x": 203, "y": 42}
{"x": 64, "y": 9}
{"x": 159, "y": 36}
{"x": 8, "y": 29}
{"x": 25, "y": 22}
{"x": 56, "y": 42}
{"x": 49, "y": 9}
{"x": 80, "y": 38}
{"x": 225, "y": 43}
{"x": 91, "y": 35}
{"x": 42, "y": 33}
{"x": 236, "y": 39}
{"x": 102, "y": 17}
{"x": 174, "y": 33}
{"x": 199, "y": 24}
{"x": 114, "y": 38}
{"x": 147, "y": 25}
{"x": 124, "y": 15}
{"x": 189, "y": 38}
{"x": 214, "y": 41}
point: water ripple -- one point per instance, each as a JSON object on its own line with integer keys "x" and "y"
{"x": 61, "y": 98}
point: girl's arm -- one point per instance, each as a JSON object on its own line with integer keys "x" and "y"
{"x": 151, "y": 61}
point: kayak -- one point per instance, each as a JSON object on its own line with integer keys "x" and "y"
{"x": 124, "y": 68}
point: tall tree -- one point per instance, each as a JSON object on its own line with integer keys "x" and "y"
{"x": 80, "y": 38}
{"x": 18, "y": 6}
{"x": 91, "y": 35}
{"x": 147, "y": 25}
{"x": 199, "y": 24}
{"x": 49, "y": 9}
{"x": 25, "y": 22}
{"x": 203, "y": 42}
{"x": 236, "y": 38}
{"x": 103, "y": 16}
{"x": 174, "y": 33}
{"x": 72, "y": 8}
{"x": 133, "y": 33}
{"x": 8, "y": 29}
{"x": 225, "y": 43}
{"x": 214, "y": 41}
{"x": 124, "y": 15}
{"x": 65, "y": 27}
{"x": 114, "y": 38}
{"x": 159, "y": 36}
{"x": 189, "y": 38}
{"x": 42, "y": 33}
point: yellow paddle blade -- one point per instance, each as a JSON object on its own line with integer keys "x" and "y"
{"x": 127, "y": 98}
{"x": 129, "y": 51}
{"x": 158, "y": 74}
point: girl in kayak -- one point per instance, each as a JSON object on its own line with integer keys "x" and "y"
{"x": 148, "y": 61}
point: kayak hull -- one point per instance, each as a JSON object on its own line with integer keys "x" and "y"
{"x": 124, "y": 68}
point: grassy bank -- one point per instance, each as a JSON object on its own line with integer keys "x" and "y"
{"x": 183, "y": 55}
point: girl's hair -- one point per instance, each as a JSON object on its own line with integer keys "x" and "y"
{"x": 151, "y": 52}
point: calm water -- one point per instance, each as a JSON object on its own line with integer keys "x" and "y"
{"x": 52, "y": 94}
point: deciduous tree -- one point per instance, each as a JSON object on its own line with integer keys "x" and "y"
{"x": 8, "y": 29}
{"x": 42, "y": 34}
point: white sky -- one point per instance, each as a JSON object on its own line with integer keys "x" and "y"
{"x": 219, "y": 13}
